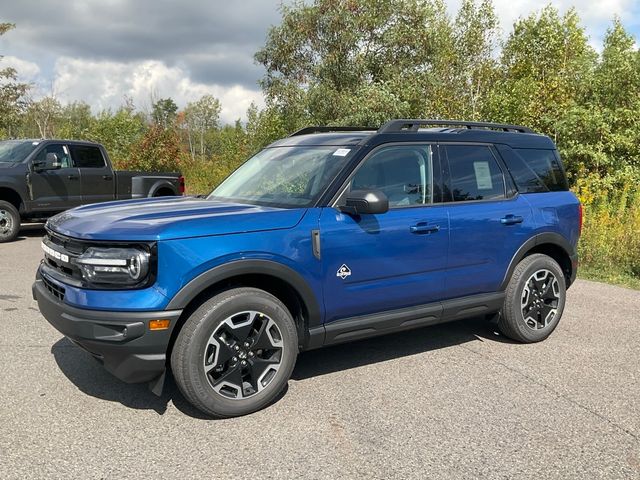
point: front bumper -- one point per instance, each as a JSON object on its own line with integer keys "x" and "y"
{"x": 120, "y": 340}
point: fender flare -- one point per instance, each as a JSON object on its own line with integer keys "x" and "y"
{"x": 245, "y": 267}
{"x": 538, "y": 239}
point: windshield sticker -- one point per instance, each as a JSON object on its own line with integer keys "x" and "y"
{"x": 341, "y": 152}
{"x": 34, "y": 143}
{"x": 483, "y": 175}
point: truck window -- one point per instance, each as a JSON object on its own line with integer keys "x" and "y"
{"x": 546, "y": 165}
{"x": 475, "y": 174}
{"x": 61, "y": 151}
{"x": 87, "y": 156}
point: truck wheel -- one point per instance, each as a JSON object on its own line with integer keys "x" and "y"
{"x": 9, "y": 222}
{"x": 534, "y": 299}
{"x": 235, "y": 353}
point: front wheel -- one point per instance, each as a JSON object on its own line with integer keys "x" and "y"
{"x": 534, "y": 299}
{"x": 9, "y": 222}
{"x": 235, "y": 353}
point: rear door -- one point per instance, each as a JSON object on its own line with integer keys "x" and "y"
{"x": 374, "y": 263}
{"x": 55, "y": 190}
{"x": 96, "y": 176}
{"x": 488, "y": 220}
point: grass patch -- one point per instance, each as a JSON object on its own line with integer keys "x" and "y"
{"x": 620, "y": 278}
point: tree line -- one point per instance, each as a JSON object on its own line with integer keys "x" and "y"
{"x": 348, "y": 62}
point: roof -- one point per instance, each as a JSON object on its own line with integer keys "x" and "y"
{"x": 511, "y": 138}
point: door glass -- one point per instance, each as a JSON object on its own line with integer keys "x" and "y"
{"x": 475, "y": 174}
{"x": 87, "y": 157}
{"x": 61, "y": 151}
{"x": 403, "y": 173}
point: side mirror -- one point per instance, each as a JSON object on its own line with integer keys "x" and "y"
{"x": 51, "y": 162}
{"x": 360, "y": 202}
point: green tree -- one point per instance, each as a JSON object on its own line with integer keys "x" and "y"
{"x": 118, "y": 132}
{"x": 200, "y": 117}
{"x": 163, "y": 112}
{"x": 12, "y": 93}
{"x": 44, "y": 114}
{"x": 546, "y": 64}
{"x": 76, "y": 121}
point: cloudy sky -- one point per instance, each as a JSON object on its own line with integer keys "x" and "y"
{"x": 103, "y": 50}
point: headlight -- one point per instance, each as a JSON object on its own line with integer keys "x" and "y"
{"x": 114, "y": 266}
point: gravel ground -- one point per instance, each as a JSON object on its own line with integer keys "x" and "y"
{"x": 453, "y": 401}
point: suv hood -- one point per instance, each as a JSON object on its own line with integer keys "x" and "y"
{"x": 153, "y": 219}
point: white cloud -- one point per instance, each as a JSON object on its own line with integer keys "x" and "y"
{"x": 27, "y": 71}
{"x": 104, "y": 84}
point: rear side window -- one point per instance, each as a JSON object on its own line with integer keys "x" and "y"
{"x": 546, "y": 165}
{"x": 475, "y": 174}
{"x": 87, "y": 157}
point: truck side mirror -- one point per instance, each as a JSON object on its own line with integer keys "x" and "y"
{"x": 360, "y": 202}
{"x": 51, "y": 162}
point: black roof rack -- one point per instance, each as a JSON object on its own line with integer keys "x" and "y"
{"x": 412, "y": 125}
{"x": 307, "y": 130}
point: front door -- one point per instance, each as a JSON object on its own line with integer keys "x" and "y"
{"x": 375, "y": 263}
{"x": 55, "y": 190}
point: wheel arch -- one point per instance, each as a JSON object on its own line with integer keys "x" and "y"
{"x": 275, "y": 278}
{"x": 10, "y": 195}
{"x": 552, "y": 244}
{"x": 162, "y": 188}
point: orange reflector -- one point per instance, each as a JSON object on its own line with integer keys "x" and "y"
{"x": 159, "y": 324}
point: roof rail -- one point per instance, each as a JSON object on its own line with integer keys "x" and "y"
{"x": 412, "y": 125}
{"x": 307, "y": 130}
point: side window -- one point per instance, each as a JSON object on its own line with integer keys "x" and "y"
{"x": 61, "y": 151}
{"x": 403, "y": 173}
{"x": 546, "y": 165}
{"x": 87, "y": 157}
{"x": 475, "y": 174}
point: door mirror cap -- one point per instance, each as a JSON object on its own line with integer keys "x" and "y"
{"x": 361, "y": 202}
{"x": 51, "y": 162}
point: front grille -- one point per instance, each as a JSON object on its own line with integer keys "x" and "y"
{"x": 54, "y": 289}
{"x": 69, "y": 250}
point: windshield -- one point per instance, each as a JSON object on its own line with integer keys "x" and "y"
{"x": 14, "y": 151}
{"x": 283, "y": 176}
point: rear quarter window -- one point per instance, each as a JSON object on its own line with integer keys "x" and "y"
{"x": 541, "y": 168}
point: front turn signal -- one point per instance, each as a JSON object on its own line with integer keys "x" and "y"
{"x": 159, "y": 324}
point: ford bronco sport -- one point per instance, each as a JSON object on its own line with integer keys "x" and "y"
{"x": 327, "y": 236}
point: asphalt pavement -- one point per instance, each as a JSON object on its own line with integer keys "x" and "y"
{"x": 455, "y": 401}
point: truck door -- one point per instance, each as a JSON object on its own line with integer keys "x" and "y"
{"x": 96, "y": 177}
{"x": 55, "y": 190}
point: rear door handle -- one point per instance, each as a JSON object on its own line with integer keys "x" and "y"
{"x": 107, "y": 177}
{"x": 73, "y": 177}
{"x": 423, "y": 227}
{"x": 511, "y": 219}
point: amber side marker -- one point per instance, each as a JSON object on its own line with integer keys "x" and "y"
{"x": 159, "y": 324}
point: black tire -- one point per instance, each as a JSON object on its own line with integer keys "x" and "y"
{"x": 9, "y": 222}
{"x": 537, "y": 301}
{"x": 219, "y": 315}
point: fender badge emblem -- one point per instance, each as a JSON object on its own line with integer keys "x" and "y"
{"x": 343, "y": 272}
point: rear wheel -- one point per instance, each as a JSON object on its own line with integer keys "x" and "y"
{"x": 9, "y": 222}
{"x": 235, "y": 353}
{"x": 534, "y": 299}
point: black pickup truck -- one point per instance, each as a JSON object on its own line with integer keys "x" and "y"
{"x": 39, "y": 178}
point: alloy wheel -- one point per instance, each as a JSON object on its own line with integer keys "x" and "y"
{"x": 540, "y": 299}
{"x": 6, "y": 222}
{"x": 243, "y": 355}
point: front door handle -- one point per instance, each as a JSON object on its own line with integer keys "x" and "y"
{"x": 107, "y": 177}
{"x": 423, "y": 227}
{"x": 511, "y": 219}
{"x": 73, "y": 177}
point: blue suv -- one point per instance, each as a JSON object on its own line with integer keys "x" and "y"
{"x": 327, "y": 236}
